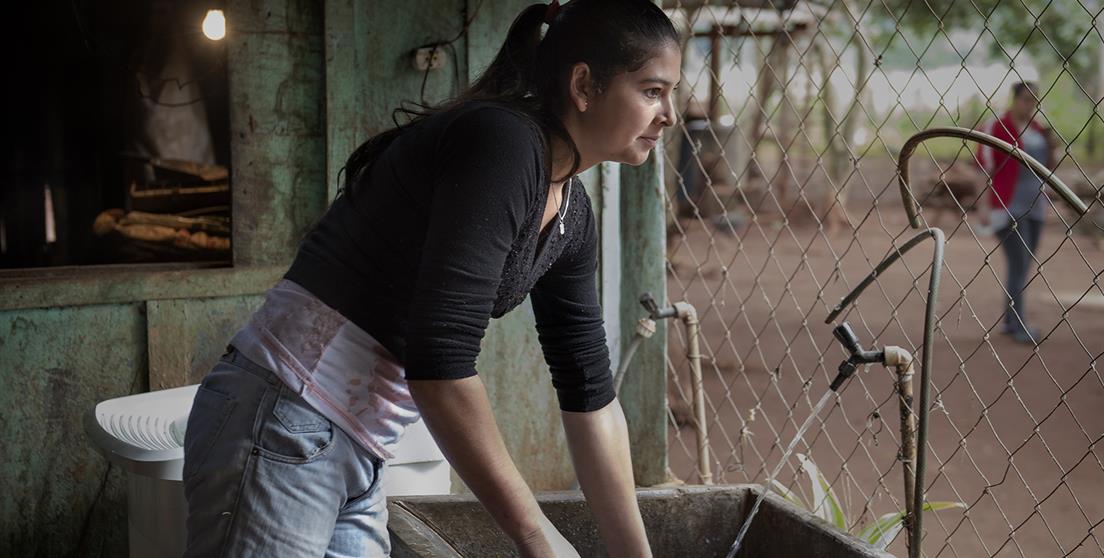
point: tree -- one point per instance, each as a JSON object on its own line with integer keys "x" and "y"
{"x": 1058, "y": 32}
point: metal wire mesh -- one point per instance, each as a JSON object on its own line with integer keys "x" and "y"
{"x": 782, "y": 195}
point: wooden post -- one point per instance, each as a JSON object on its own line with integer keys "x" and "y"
{"x": 643, "y": 269}
{"x": 715, "y": 92}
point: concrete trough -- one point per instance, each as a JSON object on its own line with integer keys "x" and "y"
{"x": 697, "y": 521}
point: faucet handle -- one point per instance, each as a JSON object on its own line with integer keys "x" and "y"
{"x": 846, "y": 336}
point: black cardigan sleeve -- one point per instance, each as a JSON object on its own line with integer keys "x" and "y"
{"x": 569, "y": 324}
{"x": 490, "y": 169}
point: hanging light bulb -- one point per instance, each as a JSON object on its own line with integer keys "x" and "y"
{"x": 214, "y": 25}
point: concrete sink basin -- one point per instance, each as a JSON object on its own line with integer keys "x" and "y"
{"x": 697, "y": 521}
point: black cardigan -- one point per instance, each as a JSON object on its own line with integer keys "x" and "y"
{"x": 443, "y": 234}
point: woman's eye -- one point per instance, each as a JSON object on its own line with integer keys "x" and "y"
{"x": 653, "y": 93}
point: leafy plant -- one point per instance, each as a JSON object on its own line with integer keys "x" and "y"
{"x": 825, "y": 505}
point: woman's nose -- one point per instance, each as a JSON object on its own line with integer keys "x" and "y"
{"x": 668, "y": 117}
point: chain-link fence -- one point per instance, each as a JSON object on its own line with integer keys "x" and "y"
{"x": 782, "y": 184}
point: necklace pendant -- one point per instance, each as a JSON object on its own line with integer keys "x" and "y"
{"x": 561, "y": 228}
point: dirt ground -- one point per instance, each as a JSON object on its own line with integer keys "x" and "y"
{"x": 1015, "y": 431}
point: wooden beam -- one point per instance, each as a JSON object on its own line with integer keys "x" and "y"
{"x": 113, "y": 285}
{"x": 781, "y": 5}
{"x": 715, "y": 89}
{"x": 729, "y": 30}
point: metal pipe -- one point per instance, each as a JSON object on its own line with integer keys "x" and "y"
{"x": 901, "y": 361}
{"x": 1048, "y": 175}
{"x": 881, "y": 267}
{"x": 688, "y": 315}
{"x": 925, "y": 359}
{"x": 1049, "y": 178}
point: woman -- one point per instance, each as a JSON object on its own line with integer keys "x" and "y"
{"x": 444, "y": 223}
{"x": 1016, "y": 205}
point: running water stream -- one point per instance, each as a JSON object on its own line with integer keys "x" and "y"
{"x": 782, "y": 462}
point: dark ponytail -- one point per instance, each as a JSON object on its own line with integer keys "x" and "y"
{"x": 529, "y": 72}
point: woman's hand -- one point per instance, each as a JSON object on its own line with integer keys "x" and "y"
{"x": 546, "y": 542}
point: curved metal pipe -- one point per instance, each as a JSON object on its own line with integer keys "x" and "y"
{"x": 1049, "y": 177}
{"x": 925, "y": 362}
{"x": 883, "y": 265}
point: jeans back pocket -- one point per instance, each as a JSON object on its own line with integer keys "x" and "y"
{"x": 295, "y": 432}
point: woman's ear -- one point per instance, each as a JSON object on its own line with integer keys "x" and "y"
{"x": 580, "y": 86}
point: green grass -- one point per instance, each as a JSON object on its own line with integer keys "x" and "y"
{"x": 1064, "y": 107}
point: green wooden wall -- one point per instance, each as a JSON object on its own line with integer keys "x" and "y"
{"x": 309, "y": 81}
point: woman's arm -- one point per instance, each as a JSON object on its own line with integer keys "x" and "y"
{"x": 459, "y": 416}
{"x": 569, "y": 323}
{"x": 599, "y": 445}
{"x": 489, "y": 176}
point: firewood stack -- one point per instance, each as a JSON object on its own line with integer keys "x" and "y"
{"x": 175, "y": 210}
{"x": 197, "y": 233}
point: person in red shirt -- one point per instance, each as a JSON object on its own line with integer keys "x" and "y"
{"x": 1016, "y": 205}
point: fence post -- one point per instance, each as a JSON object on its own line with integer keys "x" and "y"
{"x": 643, "y": 269}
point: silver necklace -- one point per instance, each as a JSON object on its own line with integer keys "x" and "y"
{"x": 566, "y": 204}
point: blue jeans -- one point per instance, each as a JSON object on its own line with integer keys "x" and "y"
{"x": 1019, "y": 245}
{"x": 266, "y": 475}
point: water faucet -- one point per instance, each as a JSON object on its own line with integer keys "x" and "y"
{"x": 846, "y": 336}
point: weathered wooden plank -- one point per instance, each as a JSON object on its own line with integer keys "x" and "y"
{"x": 278, "y": 143}
{"x": 368, "y": 65}
{"x": 643, "y": 252}
{"x": 346, "y": 55}
{"x": 488, "y": 30}
{"x": 60, "y": 498}
{"x": 120, "y": 285}
{"x": 186, "y": 337}
{"x": 394, "y": 30}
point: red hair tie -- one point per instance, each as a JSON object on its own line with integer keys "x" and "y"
{"x": 553, "y": 10}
